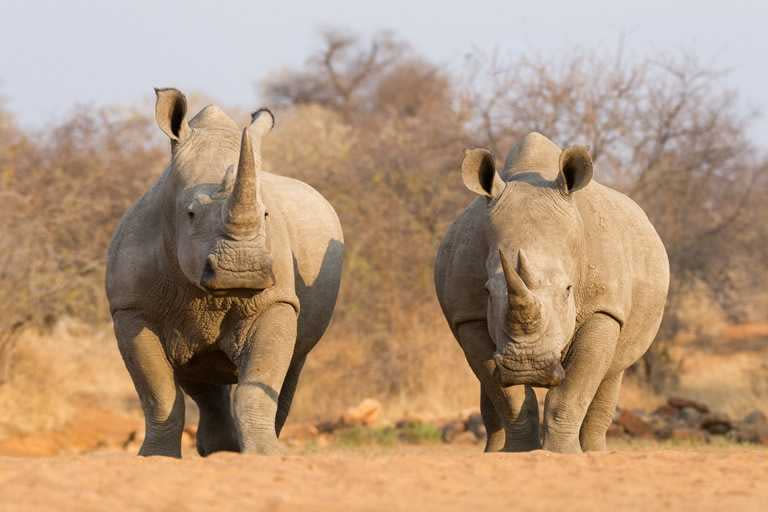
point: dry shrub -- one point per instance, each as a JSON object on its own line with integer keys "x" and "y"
{"x": 55, "y": 374}
{"x": 380, "y": 131}
{"x": 418, "y": 369}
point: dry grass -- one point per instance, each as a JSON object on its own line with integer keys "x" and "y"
{"x": 53, "y": 375}
{"x": 418, "y": 371}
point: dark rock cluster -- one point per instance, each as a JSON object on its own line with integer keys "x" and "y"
{"x": 682, "y": 419}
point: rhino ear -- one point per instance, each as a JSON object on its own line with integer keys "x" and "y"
{"x": 171, "y": 114}
{"x": 478, "y": 171}
{"x": 575, "y": 169}
{"x": 262, "y": 122}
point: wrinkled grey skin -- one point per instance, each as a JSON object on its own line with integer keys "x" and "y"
{"x": 220, "y": 274}
{"x": 549, "y": 279}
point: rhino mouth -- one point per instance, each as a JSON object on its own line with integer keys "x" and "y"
{"x": 219, "y": 280}
{"x": 545, "y": 374}
{"x": 245, "y": 293}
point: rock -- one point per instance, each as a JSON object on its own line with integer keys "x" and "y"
{"x": 755, "y": 417}
{"x": 615, "y": 430}
{"x": 474, "y": 424}
{"x": 409, "y": 421}
{"x": 450, "y": 431}
{"x": 717, "y": 424}
{"x": 365, "y": 413}
{"x": 666, "y": 411}
{"x": 688, "y": 434}
{"x": 680, "y": 403}
{"x": 467, "y": 414}
{"x": 327, "y": 426}
{"x": 691, "y": 416}
{"x": 300, "y": 431}
{"x": 752, "y": 429}
{"x": 634, "y": 425}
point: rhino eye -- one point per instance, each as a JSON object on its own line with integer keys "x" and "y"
{"x": 568, "y": 290}
{"x": 191, "y": 215}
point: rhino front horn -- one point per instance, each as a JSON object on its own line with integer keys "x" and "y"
{"x": 524, "y": 308}
{"x": 241, "y": 212}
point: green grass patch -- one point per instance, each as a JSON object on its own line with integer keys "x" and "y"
{"x": 412, "y": 433}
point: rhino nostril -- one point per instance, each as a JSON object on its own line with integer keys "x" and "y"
{"x": 208, "y": 272}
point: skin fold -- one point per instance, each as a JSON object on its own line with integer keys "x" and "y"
{"x": 221, "y": 275}
{"x": 549, "y": 279}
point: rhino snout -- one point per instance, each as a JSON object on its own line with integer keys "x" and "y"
{"x": 218, "y": 276}
{"x": 547, "y": 375}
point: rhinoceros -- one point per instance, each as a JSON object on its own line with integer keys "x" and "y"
{"x": 549, "y": 279}
{"x": 221, "y": 274}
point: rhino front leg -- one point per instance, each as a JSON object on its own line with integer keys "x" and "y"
{"x": 263, "y": 367}
{"x": 160, "y": 395}
{"x": 516, "y": 406}
{"x": 588, "y": 362}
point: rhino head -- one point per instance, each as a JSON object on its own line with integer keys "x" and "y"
{"x": 218, "y": 235}
{"x": 533, "y": 266}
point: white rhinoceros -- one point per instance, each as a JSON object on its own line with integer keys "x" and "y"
{"x": 549, "y": 279}
{"x": 220, "y": 274}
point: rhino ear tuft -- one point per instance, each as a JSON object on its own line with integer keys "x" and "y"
{"x": 575, "y": 169}
{"x": 171, "y": 114}
{"x": 262, "y": 122}
{"x": 478, "y": 171}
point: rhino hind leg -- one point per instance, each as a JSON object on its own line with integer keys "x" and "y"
{"x": 287, "y": 392}
{"x": 216, "y": 429}
{"x": 161, "y": 397}
{"x": 600, "y": 414}
{"x": 516, "y": 406}
{"x": 522, "y": 433}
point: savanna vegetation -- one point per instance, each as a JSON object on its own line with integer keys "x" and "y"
{"x": 379, "y": 129}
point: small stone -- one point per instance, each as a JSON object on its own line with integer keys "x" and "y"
{"x": 680, "y": 403}
{"x": 666, "y": 411}
{"x": 300, "y": 431}
{"x": 634, "y": 425}
{"x": 755, "y": 417}
{"x": 615, "y": 430}
{"x": 365, "y": 413}
{"x": 409, "y": 421}
{"x": 688, "y": 434}
{"x": 691, "y": 416}
{"x": 450, "y": 431}
{"x": 475, "y": 425}
{"x": 751, "y": 433}
{"x": 717, "y": 424}
{"x": 327, "y": 426}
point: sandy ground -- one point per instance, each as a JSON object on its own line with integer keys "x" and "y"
{"x": 432, "y": 478}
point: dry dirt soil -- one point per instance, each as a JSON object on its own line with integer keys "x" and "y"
{"x": 417, "y": 478}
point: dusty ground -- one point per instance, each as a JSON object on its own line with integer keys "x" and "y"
{"x": 76, "y": 453}
{"x": 417, "y": 478}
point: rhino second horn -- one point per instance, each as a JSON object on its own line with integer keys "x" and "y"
{"x": 524, "y": 308}
{"x": 241, "y": 213}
